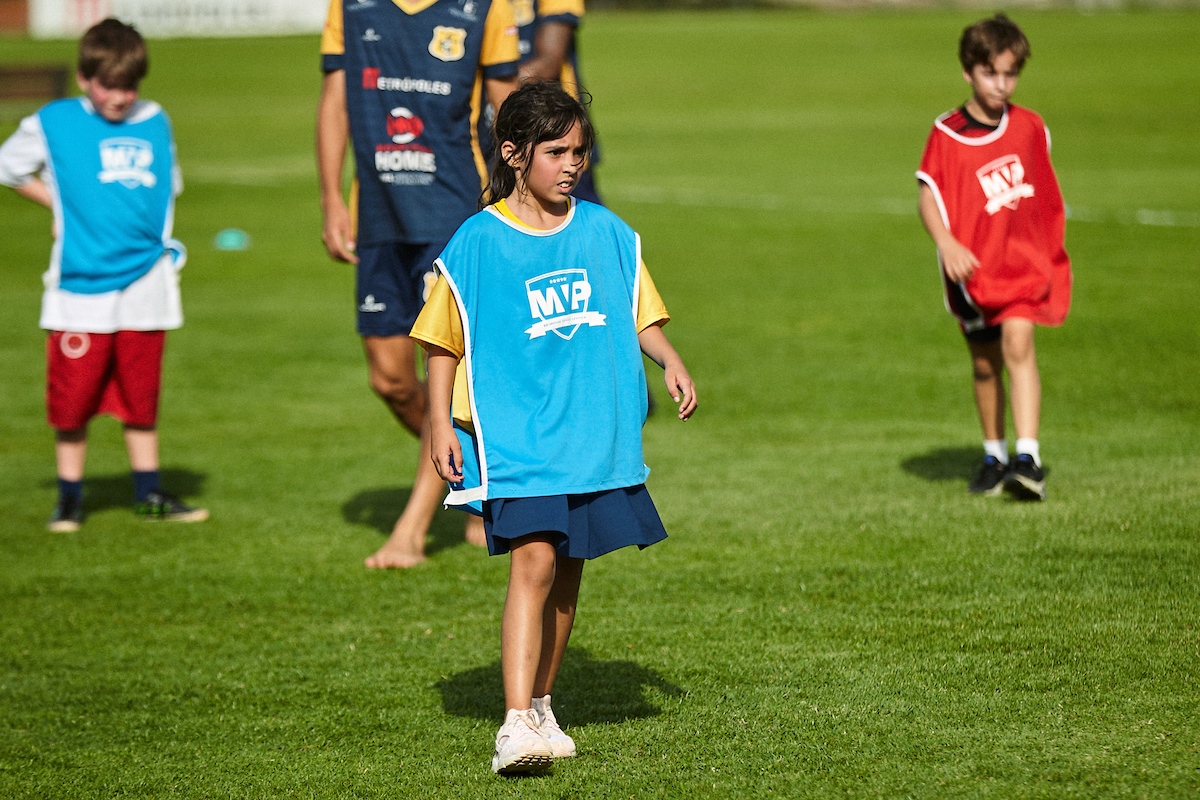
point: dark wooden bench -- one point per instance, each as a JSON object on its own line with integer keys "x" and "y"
{"x": 33, "y": 81}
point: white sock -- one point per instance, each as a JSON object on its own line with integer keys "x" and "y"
{"x": 997, "y": 449}
{"x": 1029, "y": 447}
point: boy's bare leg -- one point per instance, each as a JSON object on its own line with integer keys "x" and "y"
{"x": 474, "y": 531}
{"x": 557, "y": 620}
{"x": 987, "y": 361}
{"x": 70, "y": 453}
{"x": 142, "y": 446}
{"x": 391, "y": 363}
{"x": 1025, "y": 385}
{"x": 531, "y": 577}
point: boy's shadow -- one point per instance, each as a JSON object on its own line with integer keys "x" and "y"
{"x": 590, "y": 691}
{"x": 379, "y": 509}
{"x": 116, "y": 491}
{"x": 944, "y": 464}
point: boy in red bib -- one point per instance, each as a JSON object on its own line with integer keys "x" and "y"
{"x": 991, "y": 202}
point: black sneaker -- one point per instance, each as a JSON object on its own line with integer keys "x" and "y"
{"x": 1026, "y": 480}
{"x": 67, "y": 516}
{"x": 989, "y": 481}
{"x": 160, "y": 505}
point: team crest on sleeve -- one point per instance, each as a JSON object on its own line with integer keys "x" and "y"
{"x": 448, "y": 44}
{"x": 1003, "y": 182}
{"x": 127, "y": 161}
{"x": 523, "y": 11}
{"x": 558, "y": 301}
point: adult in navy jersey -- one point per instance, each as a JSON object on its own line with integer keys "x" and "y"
{"x": 549, "y": 52}
{"x": 403, "y": 80}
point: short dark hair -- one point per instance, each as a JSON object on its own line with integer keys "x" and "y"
{"x": 115, "y": 53}
{"x": 538, "y": 112}
{"x": 982, "y": 42}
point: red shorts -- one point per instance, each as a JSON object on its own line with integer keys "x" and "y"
{"x": 103, "y": 373}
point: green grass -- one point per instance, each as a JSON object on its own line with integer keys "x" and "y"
{"x": 832, "y": 615}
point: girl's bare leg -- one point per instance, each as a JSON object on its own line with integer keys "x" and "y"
{"x": 987, "y": 362}
{"x": 70, "y": 453}
{"x": 531, "y": 577}
{"x": 142, "y": 446}
{"x": 1025, "y": 385}
{"x": 557, "y": 619}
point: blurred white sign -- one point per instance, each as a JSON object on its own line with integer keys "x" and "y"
{"x": 50, "y": 19}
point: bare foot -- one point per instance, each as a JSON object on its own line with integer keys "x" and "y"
{"x": 474, "y": 533}
{"x": 401, "y": 551}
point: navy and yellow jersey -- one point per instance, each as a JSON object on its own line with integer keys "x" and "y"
{"x": 532, "y": 13}
{"x": 414, "y": 78}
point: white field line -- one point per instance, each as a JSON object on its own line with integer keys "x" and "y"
{"x": 889, "y": 206}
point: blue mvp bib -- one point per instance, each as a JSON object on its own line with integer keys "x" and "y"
{"x": 113, "y": 187}
{"x": 558, "y": 392}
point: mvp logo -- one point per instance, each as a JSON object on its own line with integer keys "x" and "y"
{"x": 127, "y": 161}
{"x": 1003, "y": 182}
{"x": 559, "y": 301}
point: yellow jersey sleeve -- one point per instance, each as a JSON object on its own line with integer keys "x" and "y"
{"x": 554, "y": 8}
{"x": 501, "y": 45}
{"x": 333, "y": 41}
{"x": 438, "y": 323}
{"x": 651, "y": 308}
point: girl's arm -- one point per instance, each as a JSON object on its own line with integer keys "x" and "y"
{"x": 683, "y": 390}
{"x": 957, "y": 260}
{"x": 445, "y": 450}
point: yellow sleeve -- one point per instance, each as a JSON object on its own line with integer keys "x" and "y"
{"x": 651, "y": 308}
{"x": 554, "y": 8}
{"x": 500, "y": 41}
{"x": 332, "y": 38}
{"x": 438, "y": 323}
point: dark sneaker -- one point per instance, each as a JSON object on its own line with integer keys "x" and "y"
{"x": 1026, "y": 480}
{"x": 67, "y": 516}
{"x": 160, "y": 505}
{"x": 989, "y": 481}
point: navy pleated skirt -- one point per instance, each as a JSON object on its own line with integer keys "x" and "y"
{"x": 581, "y": 525}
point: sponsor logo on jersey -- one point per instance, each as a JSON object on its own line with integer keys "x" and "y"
{"x": 372, "y": 79}
{"x": 371, "y": 306}
{"x": 1003, "y": 182}
{"x": 127, "y": 161}
{"x": 371, "y": 36}
{"x": 75, "y": 345}
{"x": 523, "y": 11}
{"x": 404, "y": 126}
{"x": 559, "y": 302}
{"x": 448, "y": 44}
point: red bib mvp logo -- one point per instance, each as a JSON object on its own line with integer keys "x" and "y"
{"x": 1003, "y": 182}
{"x": 559, "y": 300}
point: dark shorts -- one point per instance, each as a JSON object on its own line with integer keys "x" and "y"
{"x": 103, "y": 373}
{"x": 984, "y": 335}
{"x": 391, "y": 284}
{"x": 581, "y": 525}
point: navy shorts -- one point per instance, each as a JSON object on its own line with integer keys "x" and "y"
{"x": 581, "y": 525}
{"x": 391, "y": 283}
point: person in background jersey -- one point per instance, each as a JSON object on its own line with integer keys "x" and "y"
{"x": 403, "y": 83}
{"x": 105, "y": 165}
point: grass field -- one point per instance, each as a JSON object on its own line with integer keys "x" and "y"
{"x": 832, "y": 615}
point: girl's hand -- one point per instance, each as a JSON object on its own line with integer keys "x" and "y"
{"x": 958, "y": 262}
{"x": 681, "y": 386}
{"x": 446, "y": 451}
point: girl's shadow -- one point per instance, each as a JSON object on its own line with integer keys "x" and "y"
{"x": 590, "y": 691}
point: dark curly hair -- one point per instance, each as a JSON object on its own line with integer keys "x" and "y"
{"x": 537, "y": 112}
{"x": 988, "y": 38}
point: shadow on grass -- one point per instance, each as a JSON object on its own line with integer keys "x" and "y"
{"x": 379, "y": 509}
{"x": 587, "y": 692}
{"x": 944, "y": 464}
{"x": 116, "y": 491}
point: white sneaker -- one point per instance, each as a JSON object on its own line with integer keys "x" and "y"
{"x": 561, "y": 745}
{"x": 520, "y": 746}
